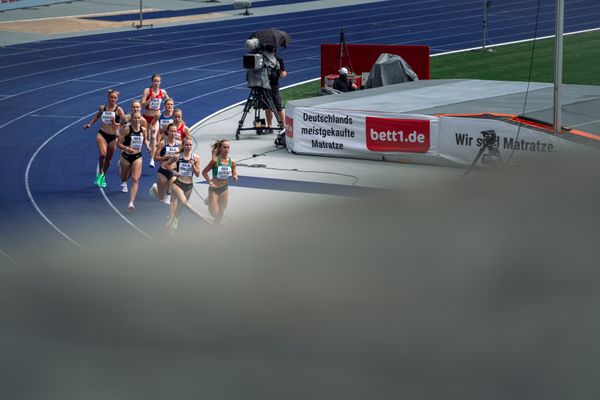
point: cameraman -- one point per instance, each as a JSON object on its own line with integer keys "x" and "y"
{"x": 277, "y": 72}
{"x": 342, "y": 83}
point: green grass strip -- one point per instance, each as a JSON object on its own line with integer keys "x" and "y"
{"x": 581, "y": 64}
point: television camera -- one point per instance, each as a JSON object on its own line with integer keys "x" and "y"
{"x": 259, "y": 63}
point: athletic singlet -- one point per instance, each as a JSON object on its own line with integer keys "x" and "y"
{"x": 169, "y": 150}
{"x": 155, "y": 101}
{"x": 184, "y": 167}
{"x": 181, "y": 132}
{"x": 164, "y": 121}
{"x": 221, "y": 171}
{"x": 108, "y": 116}
{"x": 134, "y": 139}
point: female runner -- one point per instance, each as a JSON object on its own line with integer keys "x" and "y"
{"x": 188, "y": 164}
{"x": 161, "y": 189}
{"x": 131, "y": 139}
{"x": 152, "y": 99}
{"x": 222, "y": 167}
{"x": 136, "y": 106}
{"x": 110, "y": 114}
{"x": 182, "y": 130}
{"x": 164, "y": 120}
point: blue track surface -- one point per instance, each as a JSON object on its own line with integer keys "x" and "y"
{"x": 49, "y": 89}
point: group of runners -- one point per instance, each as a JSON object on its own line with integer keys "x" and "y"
{"x": 155, "y": 124}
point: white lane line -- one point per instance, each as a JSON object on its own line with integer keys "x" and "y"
{"x": 106, "y": 87}
{"x": 50, "y": 105}
{"x": 187, "y": 38}
{"x": 124, "y": 69}
{"x": 97, "y": 81}
{"x": 145, "y": 55}
{"x": 28, "y": 188}
{"x": 121, "y": 214}
{"x": 203, "y": 30}
{"x": 136, "y": 66}
{"x": 187, "y": 32}
{"x": 55, "y": 116}
{"x": 30, "y": 195}
{"x": 208, "y": 69}
{"x": 9, "y": 258}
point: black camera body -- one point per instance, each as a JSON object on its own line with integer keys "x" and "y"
{"x": 489, "y": 137}
{"x": 490, "y": 142}
{"x": 258, "y": 62}
{"x": 253, "y": 61}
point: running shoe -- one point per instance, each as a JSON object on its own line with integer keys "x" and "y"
{"x": 152, "y": 163}
{"x": 98, "y": 179}
{"x": 175, "y": 223}
{"x": 124, "y": 187}
{"x": 152, "y": 189}
{"x": 103, "y": 181}
{"x": 131, "y": 206}
{"x": 167, "y": 199}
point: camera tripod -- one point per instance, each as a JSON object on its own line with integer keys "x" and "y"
{"x": 344, "y": 51}
{"x": 258, "y": 98}
{"x": 492, "y": 158}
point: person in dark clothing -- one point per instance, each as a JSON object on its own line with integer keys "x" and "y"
{"x": 276, "y": 73}
{"x": 342, "y": 83}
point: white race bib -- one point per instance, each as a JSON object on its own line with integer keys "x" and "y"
{"x": 171, "y": 150}
{"x": 185, "y": 168}
{"x": 108, "y": 117}
{"x": 165, "y": 122}
{"x": 155, "y": 104}
{"x": 136, "y": 142}
{"x": 223, "y": 171}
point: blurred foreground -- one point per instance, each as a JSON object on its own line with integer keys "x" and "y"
{"x": 480, "y": 290}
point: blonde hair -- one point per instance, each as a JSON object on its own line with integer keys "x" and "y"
{"x": 216, "y": 147}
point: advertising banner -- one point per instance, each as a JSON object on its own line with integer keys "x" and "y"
{"x": 443, "y": 140}
{"x": 353, "y": 134}
{"x": 462, "y": 138}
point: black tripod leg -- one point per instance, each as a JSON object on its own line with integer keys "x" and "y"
{"x": 247, "y": 107}
{"x": 479, "y": 154}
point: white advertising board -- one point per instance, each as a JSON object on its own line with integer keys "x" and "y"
{"x": 445, "y": 140}
{"x": 353, "y": 134}
{"x": 461, "y": 140}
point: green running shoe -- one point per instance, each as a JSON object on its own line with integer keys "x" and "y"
{"x": 98, "y": 179}
{"x": 102, "y": 181}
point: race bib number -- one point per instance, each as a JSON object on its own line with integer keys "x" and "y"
{"x": 171, "y": 150}
{"x": 136, "y": 142}
{"x": 165, "y": 122}
{"x": 223, "y": 172}
{"x": 185, "y": 169}
{"x": 155, "y": 104}
{"x": 108, "y": 117}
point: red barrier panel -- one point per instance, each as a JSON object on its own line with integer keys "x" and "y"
{"x": 360, "y": 58}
